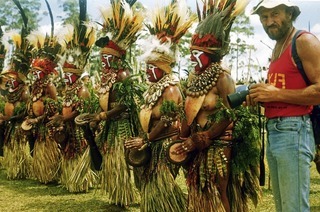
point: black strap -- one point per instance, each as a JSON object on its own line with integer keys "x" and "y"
{"x": 262, "y": 177}
{"x": 296, "y": 57}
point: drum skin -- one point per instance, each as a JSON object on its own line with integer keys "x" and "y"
{"x": 25, "y": 126}
{"x": 137, "y": 158}
{"x": 175, "y": 158}
{"x": 60, "y": 136}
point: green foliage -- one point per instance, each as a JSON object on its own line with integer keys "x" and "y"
{"x": 91, "y": 105}
{"x": 53, "y": 106}
{"x": 222, "y": 113}
{"x": 71, "y": 10}
{"x": 2, "y": 103}
{"x": 246, "y": 151}
{"x": 183, "y": 87}
{"x": 11, "y": 18}
{"x": 170, "y": 108}
{"x": 129, "y": 91}
{"x": 246, "y": 134}
{"x": 20, "y": 108}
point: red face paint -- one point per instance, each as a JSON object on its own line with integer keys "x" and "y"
{"x": 154, "y": 73}
{"x": 200, "y": 60}
{"x": 70, "y": 78}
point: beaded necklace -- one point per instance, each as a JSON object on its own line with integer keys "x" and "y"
{"x": 201, "y": 84}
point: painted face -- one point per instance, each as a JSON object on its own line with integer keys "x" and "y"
{"x": 154, "y": 73}
{"x": 106, "y": 60}
{"x": 38, "y": 74}
{"x": 70, "y": 78}
{"x": 12, "y": 84}
{"x": 200, "y": 60}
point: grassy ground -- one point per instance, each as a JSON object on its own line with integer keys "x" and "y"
{"x": 30, "y": 195}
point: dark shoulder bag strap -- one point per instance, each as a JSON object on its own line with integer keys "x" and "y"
{"x": 316, "y": 108}
{"x": 296, "y": 57}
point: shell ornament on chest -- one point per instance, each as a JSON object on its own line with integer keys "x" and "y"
{"x": 38, "y": 89}
{"x": 202, "y": 83}
{"x": 155, "y": 90}
{"x": 107, "y": 80}
{"x": 71, "y": 95}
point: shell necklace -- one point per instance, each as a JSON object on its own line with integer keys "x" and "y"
{"x": 201, "y": 84}
{"x": 156, "y": 89}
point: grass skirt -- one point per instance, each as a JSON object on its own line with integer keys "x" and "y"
{"x": 159, "y": 191}
{"x": 76, "y": 174}
{"x": 46, "y": 160}
{"x": 116, "y": 175}
{"x": 206, "y": 200}
{"x": 202, "y": 181}
{"x": 17, "y": 158}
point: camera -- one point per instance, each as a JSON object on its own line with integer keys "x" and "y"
{"x": 236, "y": 99}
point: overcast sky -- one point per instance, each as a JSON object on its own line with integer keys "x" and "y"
{"x": 309, "y": 19}
{"x": 310, "y": 15}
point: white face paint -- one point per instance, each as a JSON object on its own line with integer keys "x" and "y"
{"x": 107, "y": 58}
{"x": 196, "y": 54}
{"x": 67, "y": 78}
{"x": 36, "y": 73}
{"x": 152, "y": 69}
{"x": 11, "y": 84}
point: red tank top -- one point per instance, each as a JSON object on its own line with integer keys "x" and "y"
{"x": 284, "y": 74}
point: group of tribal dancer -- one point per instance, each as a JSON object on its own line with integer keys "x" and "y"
{"x": 130, "y": 135}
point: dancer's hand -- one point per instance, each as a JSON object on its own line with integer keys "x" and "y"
{"x": 55, "y": 121}
{"x": 134, "y": 143}
{"x": 32, "y": 121}
{"x": 186, "y": 146}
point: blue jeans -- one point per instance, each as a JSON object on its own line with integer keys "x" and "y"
{"x": 290, "y": 151}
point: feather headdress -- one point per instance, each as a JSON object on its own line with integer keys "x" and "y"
{"x": 171, "y": 22}
{"x": 78, "y": 40}
{"x": 21, "y": 56}
{"x": 45, "y": 51}
{"x": 45, "y": 48}
{"x": 215, "y": 21}
{"x": 122, "y": 25}
{"x": 168, "y": 25}
{"x": 159, "y": 54}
